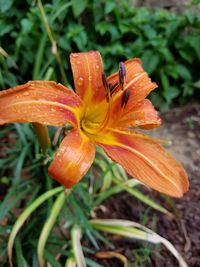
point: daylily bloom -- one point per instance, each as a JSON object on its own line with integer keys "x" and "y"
{"x": 104, "y": 111}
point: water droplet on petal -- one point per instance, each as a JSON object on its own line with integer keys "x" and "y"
{"x": 26, "y": 93}
{"x": 74, "y": 55}
{"x": 80, "y": 81}
{"x": 97, "y": 67}
{"x": 53, "y": 110}
{"x": 78, "y": 62}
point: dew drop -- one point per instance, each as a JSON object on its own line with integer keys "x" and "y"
{"x": 80, "y": 81}
{"x": 78, "y": 62}
{"x": 74, "y": 55}
{"x": 53, "y": 110}
{"x": 97, "y": 67}
{"x": 26, "y": 93}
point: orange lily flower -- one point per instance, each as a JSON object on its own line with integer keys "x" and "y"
{"x": 104, "y": 111}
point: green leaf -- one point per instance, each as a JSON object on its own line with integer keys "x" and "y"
{"x": 5, "y": 28}
{"x": 171, "y": 93}
{"x": 185, "y": 55}
{"x": 164, "y": 81}
{"x": 78, "y": 7}
{"x": 183, "y": 71}
{"x": 197, "y": 84}
{"x": 150, "y": 61}
{"x": 5, "y": 5}
{"x": 194, "y": 42}
{"x": 109, "y": 6}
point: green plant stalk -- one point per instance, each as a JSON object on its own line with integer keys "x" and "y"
{"x": 42, "y": 134}
{"x": 55, "y": 51}
{"x": 49, "y": 225}
{"x": 22, "y": 218}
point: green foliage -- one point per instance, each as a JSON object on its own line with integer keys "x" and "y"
{"x": 167, "y": 43}
{"x": 25, "y": 186}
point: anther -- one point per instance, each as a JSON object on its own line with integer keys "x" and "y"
{"x": 122, "y": 73}
{"x": 125, "y": 97}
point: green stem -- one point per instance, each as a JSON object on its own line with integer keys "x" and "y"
{"x": 42, "y": 134}
{"x": 55, "y": 51}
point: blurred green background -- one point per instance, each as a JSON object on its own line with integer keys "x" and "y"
{"x": 168, "y": 43}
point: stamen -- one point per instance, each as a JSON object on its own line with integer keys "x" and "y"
{"x": 122, "y": 73}
{"x": 113, "y": 87}
{"x": 105, "y": 82}
{"x": 125, "y": 98}
{"x": 106, "y": 86}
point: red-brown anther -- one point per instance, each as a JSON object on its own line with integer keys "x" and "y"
{"x": 122, "y": 73}
{"x": 125, "y": 98}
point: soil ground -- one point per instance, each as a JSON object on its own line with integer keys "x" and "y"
{"x": 181, "y": 130}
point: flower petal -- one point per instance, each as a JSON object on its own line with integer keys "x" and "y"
{"x": 148, "y": 162}
{"x": 87, "y": 72}
{"x": 73, "y": 159}
{"x": 137, "y": 86}
{"x": 44, "y": 102}
{"x": 137, "y": 80}
{"x": 143, "y": 114}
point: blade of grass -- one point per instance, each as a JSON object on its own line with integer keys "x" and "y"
{"x": 134, "y": 230}
{"x": 12, "y": 198}
{"x": 50, "y": 258}
{"x": 49, "y": 74}
{"x": 39, "y": 58}
{"x": 56, "y": 208}
{"x": 21, "y": 262}
{"x": 20, "y": 163}
{"x": 91, "y": 263}
{"x": 25, "y": 214}
{"x": 70, "y": 262}
{"x": 112, "y": 191}
{"x": 142, "y": 197}
{"x": 76, "y": 246}
{"x": 21, "y": 134}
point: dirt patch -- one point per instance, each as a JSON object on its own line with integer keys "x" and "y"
{"x": 181, "y": 131}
